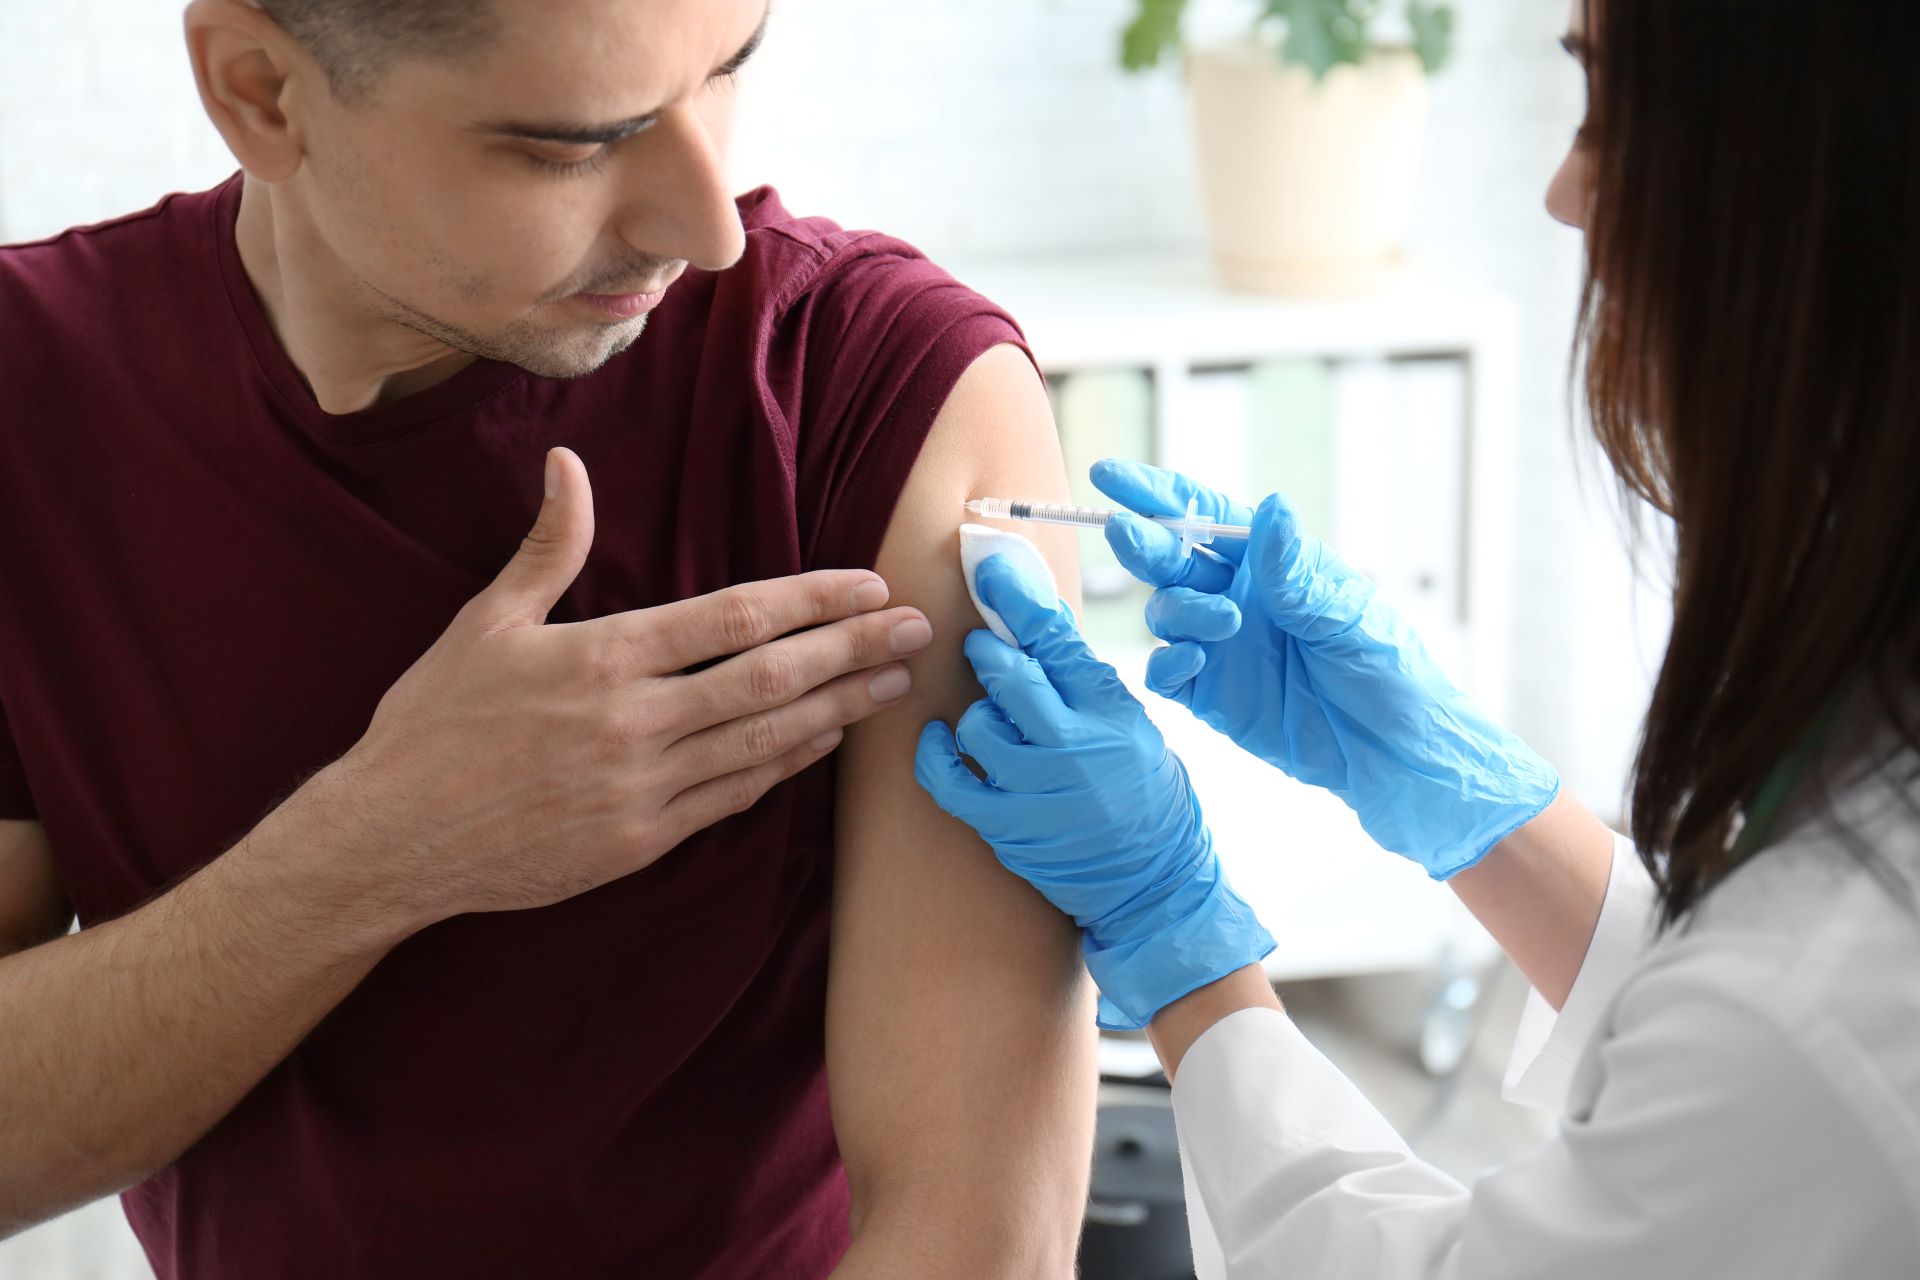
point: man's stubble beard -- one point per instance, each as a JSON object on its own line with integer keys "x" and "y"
{"x": 541, "y": 352}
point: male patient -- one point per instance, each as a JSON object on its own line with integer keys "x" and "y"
{"x": 451, "y": 919}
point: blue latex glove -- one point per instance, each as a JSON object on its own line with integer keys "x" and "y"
{"x": 1281, "y": 646}
{"x": 1083, "y": 800}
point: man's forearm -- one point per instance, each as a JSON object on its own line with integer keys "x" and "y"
{"x": 122, "y": 1044}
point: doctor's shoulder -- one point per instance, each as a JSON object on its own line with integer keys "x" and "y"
{"x": 1758, "y": 1074}
{"x": 1796, "y": 980}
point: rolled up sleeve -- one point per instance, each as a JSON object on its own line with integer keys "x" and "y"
{"x": 1730, "y": 1136}
{"x": 1547, "y": 1045}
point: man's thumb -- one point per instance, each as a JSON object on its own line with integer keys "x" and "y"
{"x": 551, "y": 554}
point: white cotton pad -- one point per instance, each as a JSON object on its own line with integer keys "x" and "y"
{"x": 979, "y": 541}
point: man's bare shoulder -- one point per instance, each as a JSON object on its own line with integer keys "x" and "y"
{"x": 956, "y": 991}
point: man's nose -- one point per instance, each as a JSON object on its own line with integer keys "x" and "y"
{"x": 685, "y": 208}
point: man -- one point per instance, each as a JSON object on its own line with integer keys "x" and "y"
{"x": 421, "y": 938}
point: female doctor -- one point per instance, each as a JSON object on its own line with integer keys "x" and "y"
{"x": 1736, "y": 1047}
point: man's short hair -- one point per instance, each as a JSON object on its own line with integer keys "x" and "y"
{"x": 356, "y": 42}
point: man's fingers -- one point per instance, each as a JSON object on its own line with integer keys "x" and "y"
{"x": 760, "y": 736}
{"x": 1180, "y": 613}
{"x": 1018, "y": 685}
{"x": 1171, "y": 671}
{"x": 705, "y": 803}
{"x": 672, "y": 637}
{"x": 1155, "y": 555}
{"x": 777, "y": 673}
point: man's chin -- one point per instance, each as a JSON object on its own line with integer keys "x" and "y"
{"x": 580, "y": 354}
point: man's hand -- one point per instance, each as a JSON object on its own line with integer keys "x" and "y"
{"x": 517, "y": 763}
{"x": 514, "y": 765}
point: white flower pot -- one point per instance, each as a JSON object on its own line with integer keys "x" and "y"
{"x": 1308, "y": 187}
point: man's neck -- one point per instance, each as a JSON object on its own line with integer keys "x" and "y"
{"x": 350, "y": 358}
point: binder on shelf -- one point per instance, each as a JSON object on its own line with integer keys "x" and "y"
{"x": 1399, "y": 508}
{"x": 1290, "y": 442}
{"x": 1105, "y": 414}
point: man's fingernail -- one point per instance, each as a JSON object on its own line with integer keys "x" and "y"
{"x": 890, "y": 684}
{"x": 910, "y": 636}
{"x": 827, "y": 741}
{"x": 869, "y": 595}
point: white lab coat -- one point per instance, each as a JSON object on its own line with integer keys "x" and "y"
{"x": 1741, "y": 1099}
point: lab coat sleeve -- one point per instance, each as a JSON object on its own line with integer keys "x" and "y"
{"x": 1708, "y": 1109}
{"x": 1547, "y": 1045}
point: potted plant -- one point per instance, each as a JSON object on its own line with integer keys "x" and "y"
{"x": 1308, "y": 133}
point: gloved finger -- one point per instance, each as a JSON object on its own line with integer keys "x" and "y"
{"x": 1155, "y": 491}
{"x": 989, "y": 737}
{"x": 1172, "y": 670}
{"x": 1019, "y": 686}
{"x": 1303, "y": 587}
{"x": 1046, "y": 631}
{"x": 1028, "y": 611}
{"x": 941, "y": 773}
{"x": 1154, "y": 555}
{"x": 1180, "y": 613}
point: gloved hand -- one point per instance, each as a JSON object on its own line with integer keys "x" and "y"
{"x": 1083, "y": 800}
{"x": 1281, "y": 646}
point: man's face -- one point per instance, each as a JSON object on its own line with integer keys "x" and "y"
{"x": 455, "y": 203}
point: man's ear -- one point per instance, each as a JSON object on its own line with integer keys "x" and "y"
{"x": 244, "y": 66}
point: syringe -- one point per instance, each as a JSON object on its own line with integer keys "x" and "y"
{"x": 1195, "y": 530}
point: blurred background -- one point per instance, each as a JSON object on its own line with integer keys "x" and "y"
{"x": 1368, "y": 308}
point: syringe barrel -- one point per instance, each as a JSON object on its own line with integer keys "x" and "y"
{"x": 1047, "y": 513}
{"x": 1194, "y": 529}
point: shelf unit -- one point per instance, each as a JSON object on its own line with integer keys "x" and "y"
{"x": 1336, "y": 902}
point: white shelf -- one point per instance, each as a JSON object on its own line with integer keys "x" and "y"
{"x": 1335, "y": 901}
{"x": 1155, "y": 309}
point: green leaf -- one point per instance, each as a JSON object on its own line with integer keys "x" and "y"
{"x": 1432, "y": 32}
{"x": 1153, "y": 33}
{"x": 1322, "y": 34}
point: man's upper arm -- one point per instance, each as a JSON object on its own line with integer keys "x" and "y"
{"x": 33, "y": 909}
{"x": 960, "y": 1033}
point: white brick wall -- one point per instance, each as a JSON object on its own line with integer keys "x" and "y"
{"x": 98, "y": 114}
{"x": 986, "y": 126}
{"x": 989, "y": 126}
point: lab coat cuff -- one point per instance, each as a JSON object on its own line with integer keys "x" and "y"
{"x": 1548, "y": 1045}
{"x": 1282, "y": 1154}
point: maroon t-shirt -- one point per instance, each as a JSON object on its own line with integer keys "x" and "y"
{"x": 206, "y": 584}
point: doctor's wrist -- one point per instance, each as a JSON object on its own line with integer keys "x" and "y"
{"x": 1177, "y": 1027}
{"x": 1190, "y": 936}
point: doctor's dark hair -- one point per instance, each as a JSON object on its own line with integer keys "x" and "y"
{"x": 1751, "y": 337}
{"x": 356, "y": 42}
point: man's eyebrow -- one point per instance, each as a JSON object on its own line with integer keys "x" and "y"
{"x": 587, "y": 135}
{"x": 1577, "y": 46}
